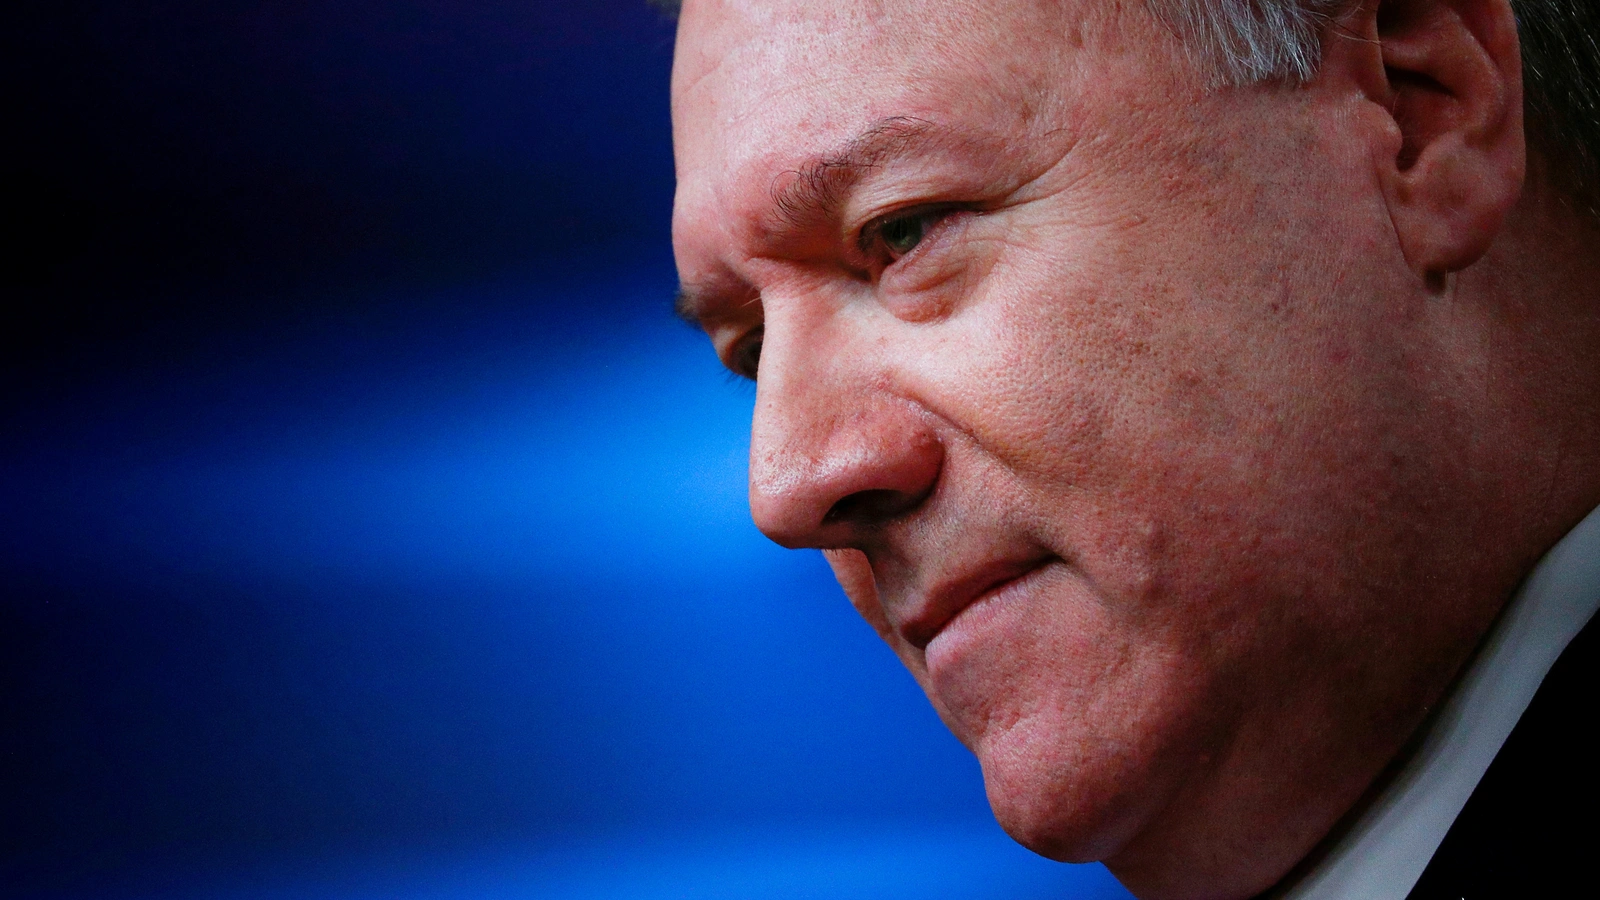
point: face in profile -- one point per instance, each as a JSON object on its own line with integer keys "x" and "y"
{"x": 1099, "y": 389}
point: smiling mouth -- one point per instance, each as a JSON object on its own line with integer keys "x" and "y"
{"x": 943, "y": 604}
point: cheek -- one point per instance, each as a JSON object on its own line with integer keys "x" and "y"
{"x": 1037, "y": 376}
{"x": 1134, "y": 370}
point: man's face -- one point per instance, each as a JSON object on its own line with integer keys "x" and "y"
{"x": 1088, "y": 379}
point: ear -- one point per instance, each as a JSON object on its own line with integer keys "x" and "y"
{"x": 1448, "y": 77}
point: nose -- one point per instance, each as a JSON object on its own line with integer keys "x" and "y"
{"x": 830, "y": 461}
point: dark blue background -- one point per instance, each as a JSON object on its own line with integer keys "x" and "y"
{"x": 370, "y": 529}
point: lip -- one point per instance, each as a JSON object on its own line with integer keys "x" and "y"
{"x": 950, "y": 598}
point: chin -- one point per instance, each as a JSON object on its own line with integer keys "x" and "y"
{"x": 1059, "y": 799}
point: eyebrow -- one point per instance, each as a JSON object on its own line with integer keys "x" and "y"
{"x": 815, "y": 192}
{"x": 688, "y": 305}
{"x": 817, "y": 189}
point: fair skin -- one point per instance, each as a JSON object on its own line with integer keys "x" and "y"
{"x": 1182, "y": 442}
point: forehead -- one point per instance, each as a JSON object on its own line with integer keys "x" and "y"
{"x": 761, "y": 88}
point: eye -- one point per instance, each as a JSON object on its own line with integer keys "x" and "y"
{"x": 746, "y": 357}
{"x": 897, "y": 235}
{"x": 902, "y": 235}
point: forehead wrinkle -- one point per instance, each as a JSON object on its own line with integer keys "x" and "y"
{"x": 802, "y": 197}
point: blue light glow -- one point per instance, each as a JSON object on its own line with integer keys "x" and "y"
{"x": 489, "y": 593}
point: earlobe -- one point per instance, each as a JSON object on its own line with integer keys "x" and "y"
{"x": 1448, "y": 74}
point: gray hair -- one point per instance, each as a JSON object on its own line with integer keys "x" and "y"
{"x": 1251, "y": 41}
{"x": 1247, "y": 42}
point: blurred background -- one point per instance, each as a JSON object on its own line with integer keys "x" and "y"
{"x": 368, "y": 526}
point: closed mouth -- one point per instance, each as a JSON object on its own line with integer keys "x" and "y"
{"x": 949, "y": 600}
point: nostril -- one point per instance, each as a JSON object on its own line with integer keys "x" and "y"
{"x": 826, "y": 464}
{"x": 864, "y": 507}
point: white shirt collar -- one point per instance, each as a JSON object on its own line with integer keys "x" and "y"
{"x": 1384, "y": 850}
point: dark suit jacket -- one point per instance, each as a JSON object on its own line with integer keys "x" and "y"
{"x": 1529, "y": 829}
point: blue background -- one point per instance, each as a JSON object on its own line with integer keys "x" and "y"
{"x": 370, "y": 528}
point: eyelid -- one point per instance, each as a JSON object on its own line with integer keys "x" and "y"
{"x": 938, "y": 213}
{"x": 740, "y": 347}
{"x": 874, "y": 226}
